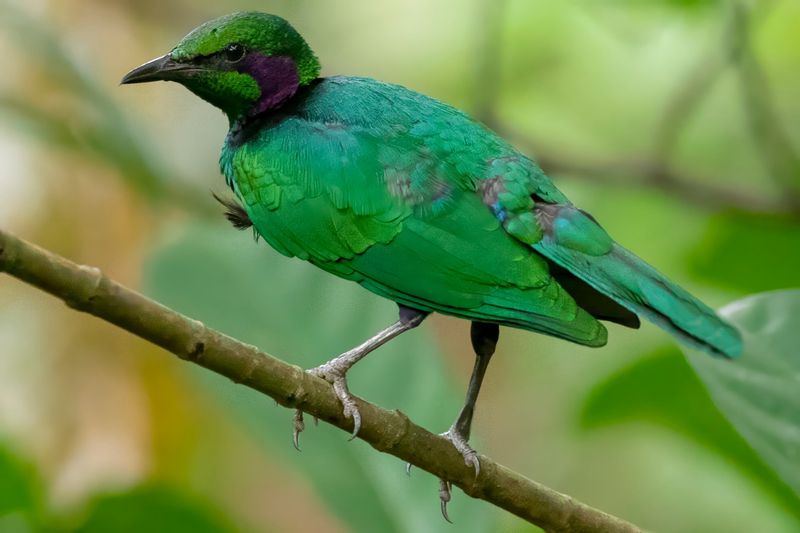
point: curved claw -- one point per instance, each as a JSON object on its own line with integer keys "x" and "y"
{"x": 444, "y": 511}
{"x": 349, "y": 407}
{"x": 444, "y": 498}
{"x": 408, "y": 469}
{"x": 299, "y": 426}
{"x": 353, "y": 412}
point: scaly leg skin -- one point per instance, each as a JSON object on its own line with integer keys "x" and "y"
{"x": 335, "y": 370}
{"x": 484, "y": 341}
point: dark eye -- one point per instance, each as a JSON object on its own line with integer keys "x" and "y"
{"x": 234, "y": 52}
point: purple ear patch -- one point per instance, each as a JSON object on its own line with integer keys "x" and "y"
{"x": 276, "y": 76}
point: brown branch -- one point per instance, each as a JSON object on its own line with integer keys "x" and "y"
{"x": 87, "y": 289}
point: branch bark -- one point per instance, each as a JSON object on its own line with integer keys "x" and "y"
{"x": 86, "y": 289}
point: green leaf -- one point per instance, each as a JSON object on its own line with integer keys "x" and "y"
{"x": 760, "y": 392}
{"x": 731, "y": 253}
{"x": 20, "y": 494}
{"x": 662, "y": 389}
{"x": 305, "y": 316}
{"x": 691, "y": 4}
{"x": 152, "y": 508}
{"x": 680, "y": 4}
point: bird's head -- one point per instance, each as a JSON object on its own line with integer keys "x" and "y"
{"x": 244, "y": 63}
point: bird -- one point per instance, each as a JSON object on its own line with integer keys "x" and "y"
{"x": 417, "y": 202}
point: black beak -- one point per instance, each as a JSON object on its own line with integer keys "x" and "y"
{"x": 160, "y": 68}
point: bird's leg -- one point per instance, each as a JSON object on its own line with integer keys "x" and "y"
{"x": 335, "y": 370}
{"x": 484, "y": 340}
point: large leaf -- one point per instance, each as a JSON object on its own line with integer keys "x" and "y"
{"x": 20, "y": 494}
{"x": 151, "y": 508}
{"x": 731, "y": 253}
{"x": 760, "y": 393}
{"x": 305, "y": 316}
{"x": 662, "y": 389}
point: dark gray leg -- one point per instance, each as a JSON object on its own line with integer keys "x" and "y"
{"x": 335, "y": 370}
{"x": 484, "y": 341}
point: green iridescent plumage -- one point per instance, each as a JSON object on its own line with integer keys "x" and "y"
{"x": 416, "y": 202}
{"x": 419, "y": 203}
{"x": 413, "y": 199}
{"x": 395, "y": 204}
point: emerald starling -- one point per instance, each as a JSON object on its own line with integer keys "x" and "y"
{"x": 416, "y": 202}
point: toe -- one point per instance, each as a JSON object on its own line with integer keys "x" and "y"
{"x": 460, "y": 443}
{"x": 356, "y": 415}
{"x": 299, "y": 426}
{"x": 474, "y": 462}
{"x": 349, "y": 406}
{"x": 444, "y": 498}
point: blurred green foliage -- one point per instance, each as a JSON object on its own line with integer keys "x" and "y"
{"x": 759, "y": 394}
{"x": 611, "y": 96}
{"x": 662, "y": 389}
{"x": 755, "y": 395}
{"x": 20, "y": 493}
{"x": 731, "y": 253}
{"x": 99, "y": 127}
{"x": 153, "y": 508}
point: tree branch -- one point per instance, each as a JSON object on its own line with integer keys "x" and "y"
{"x": 87, "y": 289}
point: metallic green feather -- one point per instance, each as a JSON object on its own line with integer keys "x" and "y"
{"x": 421, "y": 204}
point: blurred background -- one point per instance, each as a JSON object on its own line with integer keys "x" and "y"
{"x": 675, "y": 122}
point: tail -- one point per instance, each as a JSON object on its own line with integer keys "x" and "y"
{"x": 573, "y": 240}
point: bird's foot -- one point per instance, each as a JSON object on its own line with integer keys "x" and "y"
{"x": 444, "y": 497}
{"x": 460, "y": 443}
{"x": 299, "y": 425}
{"x": 335, "y": 373}
{"x": 470, "y": 456}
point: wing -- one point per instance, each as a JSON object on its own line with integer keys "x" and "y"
{"x": 461, "y": 262}
{"x": 574, "y": 241}
{"x": 395, "y": 209}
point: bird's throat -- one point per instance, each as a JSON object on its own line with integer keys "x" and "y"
{"x": 277, "y": 78}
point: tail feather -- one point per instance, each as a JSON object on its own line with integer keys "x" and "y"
{"x": 627, "y": 279}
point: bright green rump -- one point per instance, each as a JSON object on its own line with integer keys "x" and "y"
{"x": 419, "y": 203}
{"x": 378, "y": 184}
